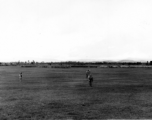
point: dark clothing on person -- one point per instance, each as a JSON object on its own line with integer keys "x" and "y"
{"x": 90, "y": 81}
{"x": 20, "y": 76}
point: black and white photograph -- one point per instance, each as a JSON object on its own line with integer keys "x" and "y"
{"x": 75, "y": 59}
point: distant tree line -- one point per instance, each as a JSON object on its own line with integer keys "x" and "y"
{"x": 75, "y": 63}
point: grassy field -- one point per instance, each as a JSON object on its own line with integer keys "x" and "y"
{"x": 54, "y": 93}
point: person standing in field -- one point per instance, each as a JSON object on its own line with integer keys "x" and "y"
{"x": 90, "y": 77}
{"x": 20, "y": 76}
{"x": 88, "y": 73}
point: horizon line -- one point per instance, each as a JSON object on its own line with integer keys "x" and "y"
{"x": 108, "y": 60}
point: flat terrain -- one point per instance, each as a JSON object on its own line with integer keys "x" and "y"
{"x": 55, "y": 93}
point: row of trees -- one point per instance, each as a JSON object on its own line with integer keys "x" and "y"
{"x": 77, "y": 63}
{"x": 101, "y": 63}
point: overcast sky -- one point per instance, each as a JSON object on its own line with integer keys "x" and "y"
{"x": 49, "y": 30}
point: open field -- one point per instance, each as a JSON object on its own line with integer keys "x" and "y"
{"x": 55, "y": 93}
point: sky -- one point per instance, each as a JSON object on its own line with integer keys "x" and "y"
{"x": 68, "y": 30}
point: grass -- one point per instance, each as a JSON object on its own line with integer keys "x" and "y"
{"x": 55, "y": 93}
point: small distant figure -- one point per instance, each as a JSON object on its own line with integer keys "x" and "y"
{"x": 90, "y": 77}
{"x": 20, "y": 76}
{"x": 88, "y": 73}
